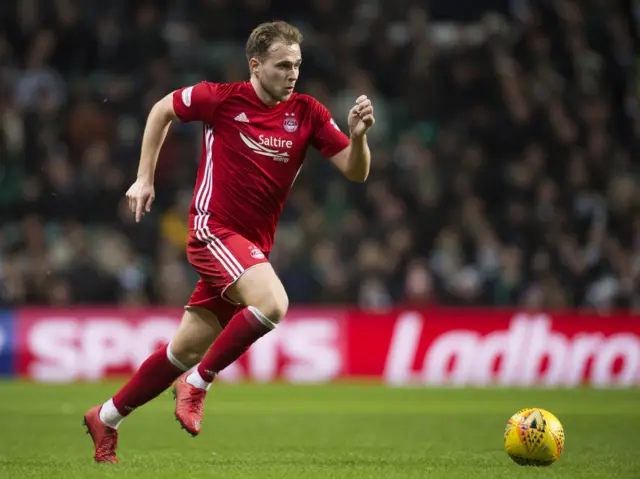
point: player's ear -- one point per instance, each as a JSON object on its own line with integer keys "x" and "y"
{"x": 254, "y": 65}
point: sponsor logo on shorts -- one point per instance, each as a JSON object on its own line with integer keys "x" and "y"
{"x": 256, "y": 253}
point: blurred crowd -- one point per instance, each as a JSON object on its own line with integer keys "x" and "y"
{"x": 505, "y": 153}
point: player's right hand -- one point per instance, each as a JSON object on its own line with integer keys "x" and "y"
{"x": 140, "y": 197}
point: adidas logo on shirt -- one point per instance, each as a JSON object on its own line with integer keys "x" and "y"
{"x": 242, "y": 117}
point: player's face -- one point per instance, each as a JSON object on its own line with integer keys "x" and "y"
{"x": 279, "y": 72}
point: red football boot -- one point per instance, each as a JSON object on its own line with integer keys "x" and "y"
{"x": 105, "y": 438}
{"x": 189, "y": 405}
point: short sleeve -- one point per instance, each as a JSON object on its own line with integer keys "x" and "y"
{"x": 328, "y": 139}
{"x": 198, "y": 102}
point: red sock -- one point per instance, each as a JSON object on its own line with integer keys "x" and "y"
{"x": 244, "y": 329}
{"x": 153, "y": 377}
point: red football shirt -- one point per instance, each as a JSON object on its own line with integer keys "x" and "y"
{"x": 251, "y": 154}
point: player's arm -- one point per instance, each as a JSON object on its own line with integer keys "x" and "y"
{"x": 186, "y": 104}
{"x": 355, "y": 161}
{"x": 155, "y": 132}
{"x": 350, "y": 155}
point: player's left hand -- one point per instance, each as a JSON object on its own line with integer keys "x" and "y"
{"x": 361, "y": 116}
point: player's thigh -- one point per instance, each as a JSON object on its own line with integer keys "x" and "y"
{"x": 260, "y": 287}
{"x": 197, "y": 330}
{"x": 233, "y": 269}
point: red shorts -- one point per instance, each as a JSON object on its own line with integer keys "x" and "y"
{"x": 220, "y": 257}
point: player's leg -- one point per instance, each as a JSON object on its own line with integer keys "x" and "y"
{"x": 241, "y": 275}
{"x": 266, "y": 301}
{"x": 198, "y": 328}
{"x": 189, "y": 391}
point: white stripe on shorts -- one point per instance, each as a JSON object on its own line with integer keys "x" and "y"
{"x": 222, "y": 253}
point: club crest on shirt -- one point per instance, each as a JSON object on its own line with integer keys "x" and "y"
{"x": 290, "y": 123}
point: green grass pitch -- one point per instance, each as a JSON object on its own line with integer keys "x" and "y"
{"x": 336, "y": 431}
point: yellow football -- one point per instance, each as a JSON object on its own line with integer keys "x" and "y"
{"x": 534, "y": 437}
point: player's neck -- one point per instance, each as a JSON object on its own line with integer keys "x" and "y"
{"x": 262, "y": 95}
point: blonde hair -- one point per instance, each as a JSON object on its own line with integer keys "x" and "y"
{"x": 265, "y": 35}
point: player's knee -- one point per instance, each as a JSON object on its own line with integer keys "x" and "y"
{"x": 274, "y": 306}
{"x": 184, "y": 354}
{"x": 197, "y": 330}
{"x": 261, "y": 289}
